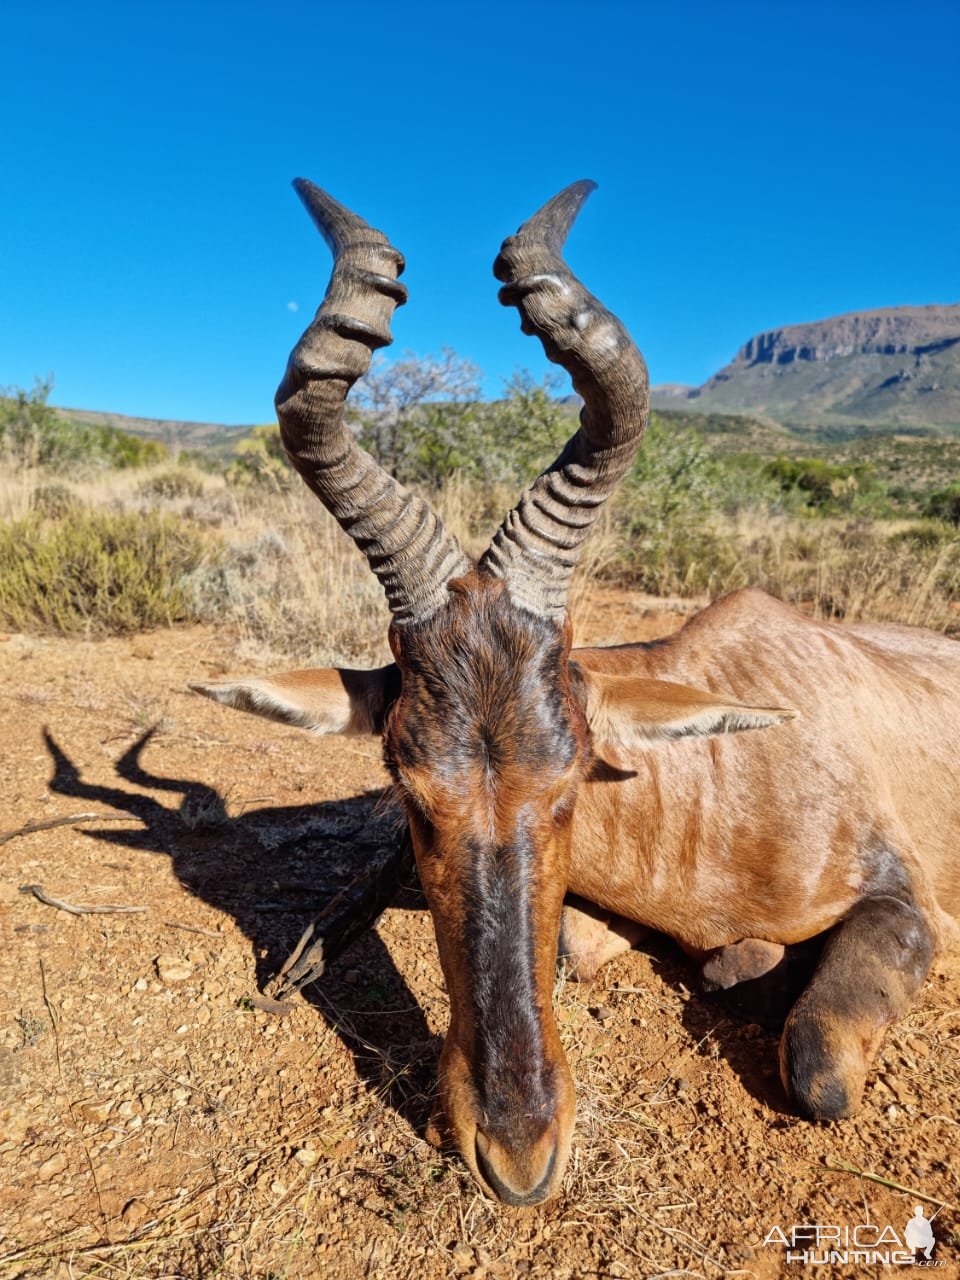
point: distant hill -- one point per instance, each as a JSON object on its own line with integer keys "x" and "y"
{"x": 897, "y": 368}
{"x": 175, "y": 435}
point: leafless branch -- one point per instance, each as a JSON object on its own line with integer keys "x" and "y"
{"x": 50, "y": 823}
{"x": 105, "y": 909}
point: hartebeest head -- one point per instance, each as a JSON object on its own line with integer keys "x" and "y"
{"x": 487, "y": 725}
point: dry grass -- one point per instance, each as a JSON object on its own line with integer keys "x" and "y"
{"x": 290, "y": 586}
{"x": 905, "y": 571}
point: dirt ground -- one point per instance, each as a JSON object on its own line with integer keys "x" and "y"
{"x": 155, "y": 1123}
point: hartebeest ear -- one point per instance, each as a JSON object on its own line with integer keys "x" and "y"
{"x": 322, "y": 701}
{"x": 632, "y": 710}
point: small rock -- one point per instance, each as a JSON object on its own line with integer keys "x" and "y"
{"x": 134, "y": 1213}
{"x": 50, "y": 1168}
{"x": 140, "y": 984}
{"x": 173, "y": 969}
{"x": 602, "y": 1012}
{"x": 306, "y": 1156}
{"x": 95, "y": 1112}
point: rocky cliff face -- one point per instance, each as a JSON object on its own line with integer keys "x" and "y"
{"x": 891, "y": 332}
{"x": 898, "y": 366}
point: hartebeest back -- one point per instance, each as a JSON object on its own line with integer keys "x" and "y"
{"x": 528, "y": 772}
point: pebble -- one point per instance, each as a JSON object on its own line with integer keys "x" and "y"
{"x": 134, "y": 1213}
{"x": 172, "y": 969}
{"x": 307, "y": 1157}
{"x": 602, "y": 1012}
{"x": 50, "y": 1168}
{"x": 95, "y": 1112}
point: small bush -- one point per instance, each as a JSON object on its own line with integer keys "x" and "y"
{"x": 829, "y": 487}
{"x": 97, "y": 572}
{"x": 53, "y": 501}
{"x": 167, "y": 485}
{"x": 33, "y": 434}
{"x": 212, "y": 508}
{"x": 944, "y": 504}
{"x": 261, "y": 462}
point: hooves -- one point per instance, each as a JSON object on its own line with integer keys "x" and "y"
{"x": 822, "y": 1065}
{"x": 872, "y": 966}
{"x": 742, "y": 962}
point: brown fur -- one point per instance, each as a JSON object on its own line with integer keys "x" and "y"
{"x": 529, "y": 772}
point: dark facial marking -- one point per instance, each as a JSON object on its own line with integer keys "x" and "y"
{"x": 515, "y": 1085}
{"x": 484, "y": 741}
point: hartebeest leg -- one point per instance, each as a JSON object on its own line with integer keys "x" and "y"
{"x": 741, "y": 962}
{"x": 590, "y": 936}
{"x": 872, "y": 966}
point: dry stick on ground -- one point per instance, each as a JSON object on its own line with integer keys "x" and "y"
{"x": 193, "y": 928}
{"x": 50, "y": 823}
{"x": 75, "y": 910}
{"x": 54, "y": 1017}
{"x": 840, "y": 1166}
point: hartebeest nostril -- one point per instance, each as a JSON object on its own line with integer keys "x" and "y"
{"x": 509, "y": 1176}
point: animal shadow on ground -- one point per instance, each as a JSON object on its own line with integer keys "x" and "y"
{"x": 745, "y": 1021}
{"x": 273, "y": 870}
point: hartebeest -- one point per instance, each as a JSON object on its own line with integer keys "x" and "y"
{"x": 529, "y": 772}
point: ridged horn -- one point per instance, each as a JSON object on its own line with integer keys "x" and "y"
{"x": 536, "y": 548}
{"x": 405, "y": 543}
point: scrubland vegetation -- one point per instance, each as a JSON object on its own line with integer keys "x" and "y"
{"x": 104, "y": 532}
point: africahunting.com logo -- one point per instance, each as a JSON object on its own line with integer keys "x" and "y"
{"x": 812, "y": 1244}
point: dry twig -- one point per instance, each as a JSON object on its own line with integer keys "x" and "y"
{"x": 194, "y": 928}
{"x": 50, "y": 823}
{"x": 75, "y": 910}
{"x": 841, "y": 1166}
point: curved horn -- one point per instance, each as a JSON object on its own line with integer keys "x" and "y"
{"x": 407, "y": 546}
{"x": 536, "y": 548}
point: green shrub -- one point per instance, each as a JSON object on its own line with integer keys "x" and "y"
{"x": 261, "y": 461}
{"x": 829, "y": 487}
{"x": 97, "y": 572}
{"x": 925, "y": 535}
{"x": 32, "y": 434}
{"x": 944, "y": 504}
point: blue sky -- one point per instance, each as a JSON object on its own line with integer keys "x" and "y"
{"x": 759, "y": 164}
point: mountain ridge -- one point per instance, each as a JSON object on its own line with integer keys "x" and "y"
{"x": 893, "y": 366}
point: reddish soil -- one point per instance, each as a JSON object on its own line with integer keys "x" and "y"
{"x": 154, "y": 1123}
